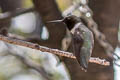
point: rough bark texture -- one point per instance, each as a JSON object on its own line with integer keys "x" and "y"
{"x": 49, "y": 11}
{"x": 106, "y": 14}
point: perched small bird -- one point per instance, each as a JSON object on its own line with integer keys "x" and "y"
{"x": 82, "y": 39}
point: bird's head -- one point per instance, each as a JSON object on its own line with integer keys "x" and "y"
{"x": 69, "y": 21}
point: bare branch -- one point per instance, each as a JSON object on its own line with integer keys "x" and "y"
{"x": 71, "y": 9}
{"x": 46, "y": 49}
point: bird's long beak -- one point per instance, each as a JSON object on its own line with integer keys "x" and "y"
{"x": 55, "y": 21}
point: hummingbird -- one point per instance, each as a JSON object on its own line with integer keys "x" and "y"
{"x": 82, "y": 39}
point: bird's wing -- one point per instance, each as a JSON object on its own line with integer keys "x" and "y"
{"x": 82, "y": 45}
{"x": 78, "y": 41}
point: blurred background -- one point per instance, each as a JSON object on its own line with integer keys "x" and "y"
{"x": 27, "y": 20}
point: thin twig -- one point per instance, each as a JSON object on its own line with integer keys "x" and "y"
{"x": 46, "y": 49}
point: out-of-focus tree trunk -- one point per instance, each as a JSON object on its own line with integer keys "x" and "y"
{"x": 106, "y": 14}
{"x": 8, "y": 6}
{"x": 49, "y": 11}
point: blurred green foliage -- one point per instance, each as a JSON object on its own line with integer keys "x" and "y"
{"x": 27, "y": 3}
{"x": 64, "y": 4}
